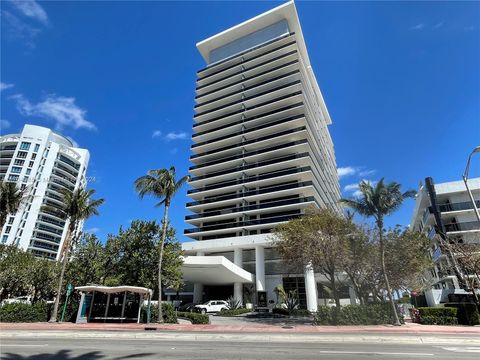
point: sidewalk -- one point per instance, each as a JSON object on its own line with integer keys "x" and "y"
{"x": 409, "y": 328}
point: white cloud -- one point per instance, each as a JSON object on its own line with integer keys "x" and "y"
{"x": 354, "y": 188}
{"x": 156, "y": 134}
{"x": 5, "y": 86}
{"x": 363, "y": 173}
{"x": 92, "y": 230}
{"x": 176, "y": 135}
{"x": 4, "y": 124}
{"x": 346, "y": 171}
{"x": 62, "y": 110}
{"x": 31, "y": 9}
{"x": 438, "y": 25}
{"x": 350, "y": 187}
{"x": 418, "y": 27}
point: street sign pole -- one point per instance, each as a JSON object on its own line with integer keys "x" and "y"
{"x": 69, "y": 291}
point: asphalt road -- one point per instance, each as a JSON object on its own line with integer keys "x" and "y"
{"x": 49, "y": 348}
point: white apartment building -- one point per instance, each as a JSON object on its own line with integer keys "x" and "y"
{"x": 44, "y": 162}
{"x": 261, "y": 155}
{"x": 446, "y": 208}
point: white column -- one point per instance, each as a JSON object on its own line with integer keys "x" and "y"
{"x": 197, "y": 287}
{"x": 311, "y": 289}
{"x": 260, "y": 268}
{"x": 238, "y": 287}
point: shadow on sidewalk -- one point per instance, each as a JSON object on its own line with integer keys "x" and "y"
{"x": 66, "y": 355}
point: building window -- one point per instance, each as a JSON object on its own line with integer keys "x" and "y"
{"x": 16, "y": 170}
{"x": 13, "y": 178}
{"x": 30, "y": 164}
{"x": 25, "y": 179}
{"x": 10, "y": 221}
{"x": 34, "y": 156}
{"x": 23, "y": 187}
{"x": 19, "y": 162}
{"x": 4, "y": 238}
{"x": 37, "y": 146}
{"x": 29, "y": 171}
{"x": 25, "y": 146}
{"x": 7, "y": 229}
{"x": 22, "y": 154}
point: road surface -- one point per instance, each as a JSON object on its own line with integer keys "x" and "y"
{"x": 50, "y": 348}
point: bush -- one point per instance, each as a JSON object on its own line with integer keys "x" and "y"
{"x": 70, "y": 311}
{"x": 194, "y": 317}
{"x": 467, "y": 313}
{"x": 438, "y": 320}
{"x": 437, "y": 312}
{"x": 168, "y": 312}
{"x": 375, "y": 314}
{"x": 24, "y": 312}
{"x": 233, "y": 312}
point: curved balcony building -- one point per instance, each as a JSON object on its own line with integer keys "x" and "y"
{"x": 45, "y": 163}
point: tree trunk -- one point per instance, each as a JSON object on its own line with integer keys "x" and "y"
{"x": 160, "y": 259}
{"x": 3, "y": 220}
{"x": 334, "y": 290}
{"x": 68, "y": 238}
{"x": 385, "y": 275}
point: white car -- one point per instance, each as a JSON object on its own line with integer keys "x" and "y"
{"x": 18, "y": 300}
{"x": 211, "y": 306}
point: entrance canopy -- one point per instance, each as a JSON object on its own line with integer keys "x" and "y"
{"x": 214, "y": 270}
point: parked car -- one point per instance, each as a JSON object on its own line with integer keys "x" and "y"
{"x": 18, "y": 300}
{"x": 211, "y": 306}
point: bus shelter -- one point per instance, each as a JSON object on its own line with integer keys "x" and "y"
{"x": 111, "y": 303}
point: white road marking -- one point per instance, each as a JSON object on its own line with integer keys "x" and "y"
{"x": 373, "y": 353}
{"x": 465, "y": 349}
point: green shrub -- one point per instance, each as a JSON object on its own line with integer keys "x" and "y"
{"x": 374, "y": 314}
{"x": 437, "y": 312}
{"x": 233, "y": 312}
{"x": 70, "y": 311}
{"x": 168, "y": 312}
{"x": 467, "y": 313}
{"x": 24, "y": 312}
{"x": 195, "y": 318}
{"x": 438, "y": 320}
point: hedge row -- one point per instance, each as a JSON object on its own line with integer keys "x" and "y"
{"x": 195, "y": 318}
{"x": 374, "y": 314}
{"x": 168, "y": 313}
{"x": 296, "y": 312}
{"x": 24, "y": 312}
{"x": 234, "y": 312}
{"x": 467, "y": 313}
{"x": 437, "y": 312}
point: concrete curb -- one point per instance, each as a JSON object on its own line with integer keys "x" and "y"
{"x": 252, "y": 337}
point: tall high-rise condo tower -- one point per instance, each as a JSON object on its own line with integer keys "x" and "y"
{"x": 262, "y": 151}
{"x": 43, "y": 162}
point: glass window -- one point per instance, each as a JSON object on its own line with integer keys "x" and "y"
{"x": 25, "y": 146}
{"x": 7, "y": 229}
{"x": 22, "y": 154}
{"x": 23, "y": 186}
{"x": 10, "y": 221}
{"x": 4, "y": 238}
{"x": 28, "y": 171}
{"x": 16, "y": 170}
{"x": 37, "y": 146}
{"x": 19, "y": 162}
{"x": 30, "y": 164}
{"x": 34, "y": 156}
{"x": 13, "y": 178}
{"x": 25, "y": 179}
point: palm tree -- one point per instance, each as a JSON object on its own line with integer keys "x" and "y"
{"x": 11, "y": 198}
{"x": 77, "y": 207}
{"x": 160, "y": 183}
{"x": 379, "y": 201}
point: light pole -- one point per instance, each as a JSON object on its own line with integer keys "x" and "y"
{"x": 465, "y": 180}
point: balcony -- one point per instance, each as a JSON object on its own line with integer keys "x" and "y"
{"x": 242, "y": 209}
{"x": 255, "y": 165}
{"x": 463, "y": 226}
{"x": 270, "y": 189}
{"x": 467, "y": 205}
{"x": 249, "y": 179}
{"x": 242, "y": 224}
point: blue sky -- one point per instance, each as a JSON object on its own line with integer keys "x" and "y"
{"x": 401, "y": 81}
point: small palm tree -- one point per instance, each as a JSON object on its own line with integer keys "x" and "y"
{"x": 77, "y": 207}
{"x": 11, "y": 198}
{"x": 161, "y": 183}
{"x": 379, "y": 201}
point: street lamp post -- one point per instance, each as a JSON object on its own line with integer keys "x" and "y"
{"x": 465, "y": 180}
